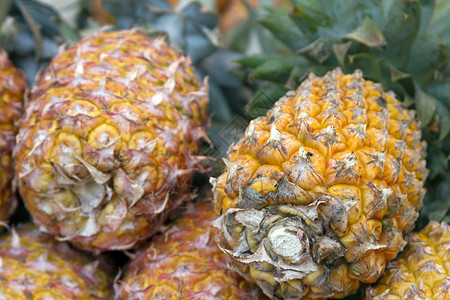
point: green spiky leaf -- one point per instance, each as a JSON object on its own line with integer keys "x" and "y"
{"x": 444, "y": 120}
{"x": 368, "y": 34}
{"x": 284, "y": 29}
{"x": 438, "y": 23}
{"x": 427, "y": 8}
{"x": 396, "y": 74}
{"x": 437, "y": 163}
{"x": 70, "y": 35}
{"x": 390, "y": 41}
{"x": 400, "y": 33}
{"x": 279, "y": 69}
{"x": 426, "y": 105}
{"x": 254, "y": 61}
{"x": 319, "y": 50}
{"x": 426, "y": 56}
{"x": 368, "y": 64}
{"x": 440, "y": 90}
{"x": 309, "y": 17}
{"x": 249, "y": 36}
{"x": 340, "y": 50}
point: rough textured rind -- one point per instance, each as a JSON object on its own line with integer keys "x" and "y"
{"x": 318, "y": 193}
{"x": 35, "y": 266}
{"x": 422, "y": 271}
{"x": 12, "y": 90}
{"x": 106, "y": 149}
{"x": 185, "y": 263}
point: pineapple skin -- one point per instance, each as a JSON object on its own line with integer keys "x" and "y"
{"x": 185, "y": 263}
{"x": 106, "y": 149}
{"x": 318, "y": 193}
{"x": 422, "y": 271}
{"x": 12, "y": 90}
{"x": 35, "y": 266}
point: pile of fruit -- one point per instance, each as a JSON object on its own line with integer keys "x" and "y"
{"x": 225, "y": 150}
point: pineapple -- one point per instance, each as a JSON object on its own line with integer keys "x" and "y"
{"x": 405, "y": 45}
{"x": 185, "y": 263}
{"x": 422, "y": 271}
{"x": 35, "y": 266}
{"x": 12, "y": 89}
{"x": 106, "y": 149}
{"x": 318, "y": 193}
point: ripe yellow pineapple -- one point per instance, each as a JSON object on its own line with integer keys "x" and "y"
{"x": 106, "y": 149}
{"x": 12, "y": 89}
{"x": 185, "y": 263}
{"x": 35, "y": 266}
{"x": 318, "y": 193}
{"x": 422, "y": 271}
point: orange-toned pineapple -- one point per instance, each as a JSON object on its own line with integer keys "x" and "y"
{"x": 317, "y": 195}
{"x": 35, "y": 266}
{"x": 107, "y": 146}
{"x": 422, "y": 271}
{"x": 12, "y": 89}
{"x": 185, "y": 263}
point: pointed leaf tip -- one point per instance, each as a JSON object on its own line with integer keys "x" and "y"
{"x": 340, "y": 51}
{"x": 368, "y": 34}
{"x": 319, "y": 50}
{"x": 396, "y": 74}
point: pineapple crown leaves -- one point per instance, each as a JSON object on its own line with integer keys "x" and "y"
{"x": 437, "y": 201}
{"x": 189, "y": 26}
{"x": 249, "y": 36}
{"x": 404, "y": 44}
{"x": 31, "y": 32}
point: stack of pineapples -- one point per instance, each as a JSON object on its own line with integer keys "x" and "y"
{"x": 111, "y": 149}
